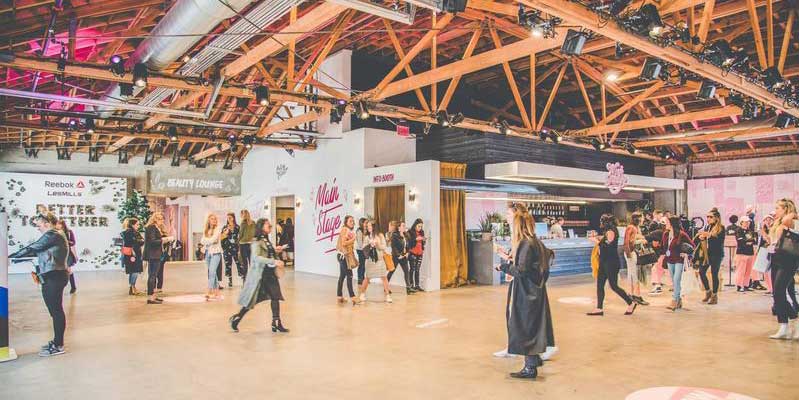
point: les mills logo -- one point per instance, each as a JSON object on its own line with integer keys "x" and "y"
{"x": 64, "y": 188}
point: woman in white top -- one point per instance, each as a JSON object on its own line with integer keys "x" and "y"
{"x": 213, "y": 254}
{"x": 374, "y": 249}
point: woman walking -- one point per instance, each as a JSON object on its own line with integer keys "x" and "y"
{"x": 527, "y": 313}
{"x": 609, "y": 266}
{"x": 51, "y": 271}
{"x": 132, "y": 242}
{"x": 230, "y": 246}
{"x": 744, "y": 254}
{"x": 359, "y": 235}
{"x": 72, "y": 255}
{"x": 262, "y": 283}
{"x": 416, "y": 243}
{"x": 345, "y": 255}
{"x": 673, "y": 239}
{"x": 399, "y": 253}
{"x": 154, "y": 240}
{"x": 784, "y": 266}
{"x": 246, "y": 235}
{"x": 374, "y": 249}
{"x": 713, "y": 236}
{"x": 211, "y": 241}
{"x": 632, "y": 235}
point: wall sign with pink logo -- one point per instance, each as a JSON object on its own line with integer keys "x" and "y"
{"x": 616, "y": 180}
{"x": 328, "y": 209}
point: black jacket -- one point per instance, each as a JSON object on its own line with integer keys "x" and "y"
{"x": 746, "y": 240}
{"x": 399, "y": 246}
{"x": 609, "y": 251}
{"x": 51, "y": 249}
{"x": 153, "y": 246}
{"x": 715, "y": 245}
{"x": 527, "y": 310}
{"x": 132, "y": 238}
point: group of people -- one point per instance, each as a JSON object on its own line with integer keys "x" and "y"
{"x": 374, "y": 254}
{"x": 151, "y": 247}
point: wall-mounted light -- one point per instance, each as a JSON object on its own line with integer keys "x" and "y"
{"x": 412, "y": 195}
{"x": 298, "y": 203}
{"x": 356, "y": 200}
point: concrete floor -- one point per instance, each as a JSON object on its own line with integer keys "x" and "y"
{"x": 120, "y": 348}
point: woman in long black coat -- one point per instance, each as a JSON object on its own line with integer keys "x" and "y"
{"x": 133, "y": 264}
{"x": 527, "y": 313}
{"x": 262, "y": 282}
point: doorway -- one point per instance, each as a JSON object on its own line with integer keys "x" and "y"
{"x": 284, "y": 227}
{"x": 389, "y": 205}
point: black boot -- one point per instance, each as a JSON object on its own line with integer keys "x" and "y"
{"x": 230, "y": 282}
{"x": 277, "y": 326}
{"x": 234, "y": 322}
{"x": 528, "y": 372}
{"x": 409, "y": 291}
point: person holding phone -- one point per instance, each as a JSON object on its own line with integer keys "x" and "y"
{"x": 154, "y": 240}
{"x": 416, "y": 246}
{"x": 51, "y": 249}
{"x": 671, "y": 244}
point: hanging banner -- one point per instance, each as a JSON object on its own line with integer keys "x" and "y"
{"x": 179, "y": 182}
{"x": 87, "y": 204}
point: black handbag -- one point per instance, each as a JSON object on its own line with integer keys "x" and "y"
{"x": 645, "y": 254}
{"x": 788, "y": 244}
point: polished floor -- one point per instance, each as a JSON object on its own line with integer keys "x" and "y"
{"x": 431, "y": 345}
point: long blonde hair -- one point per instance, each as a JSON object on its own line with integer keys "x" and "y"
{"x": 245, "y": 216}
{"x": 152, "y": 221}
{"x": 209, "y": 230}
{"x": 522, "y": 224}
{"x": 777, "y": 225}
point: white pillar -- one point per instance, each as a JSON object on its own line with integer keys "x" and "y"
{"x": 6, "y": 353}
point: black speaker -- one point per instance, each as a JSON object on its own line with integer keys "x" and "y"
{"x": 453, "y": 6}
{"x": 573, "y": 44}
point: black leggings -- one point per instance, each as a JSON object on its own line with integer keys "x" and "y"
{"x": 72, "y": 282}
{"x": 402, "y": 263}
{"x": 229, "y": 254}
{"x": 611, "y": 275}
{"x": 344, "y": 273}
{"x": 53, "y": 284}
{"x": 715, "y": 266}
{"x": 361, "y": 266}
{"x": 274, "y": 305}
{"x": 244, "y": 251}
{"x": 159, "y": 277}
{"x": 415, "y": 265}
{"x": 782, "y": 270}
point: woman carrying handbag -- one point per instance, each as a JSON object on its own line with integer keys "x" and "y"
{"x": 374, "y": 248}
{"x": 345, "y": 255}
{"x": 132, "y": 243}
{"x": 784, "y": 262}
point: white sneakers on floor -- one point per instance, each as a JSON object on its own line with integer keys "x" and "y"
{"x": 784, "y": 333}
{"x": 503, "y": 353}
{"x": 388, "y": 299}
{"x": 545, "y": 356}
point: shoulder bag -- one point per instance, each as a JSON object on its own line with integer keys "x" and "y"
{"x": 646, "y": 254}
{"x": 788, "y": 244}
{"x": 389, "y": 262}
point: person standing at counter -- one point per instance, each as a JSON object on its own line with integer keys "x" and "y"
{"x": 713, "y": 234}
{"x": 609, "y": 266}
{"x": 51, "y": 249}
{"x": 416, "y": 249}
{"x": 528, "y": 316}
{"x": 632, "y": 235}
{"x": 246, "y": 236}
{"x": 556, "y": 230}
{"x": 671, "y": 244}
{"x": 744, "y": 254}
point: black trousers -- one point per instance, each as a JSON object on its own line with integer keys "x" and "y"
{"x": 228, "y": 255}
{"x": 53, "y": 284}
{"x": 415, "y": 264}
{"x": 72, "y": 281}
{"x": 715, "y": 267}
{"x": 244, "y": 258}
{"x": 402, "y": 263}
{"x": 361, "y": 266}
{"x": 273, "y": 304}
{"x": 153, "y": 268}
{"x": 611, "y": 275}
{"x": 783, "y": 269}
{"x": 159, "y": 277}
{"x": 344, "y": 272}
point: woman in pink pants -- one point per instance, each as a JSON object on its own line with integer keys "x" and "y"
{"x": 744, "y": 255}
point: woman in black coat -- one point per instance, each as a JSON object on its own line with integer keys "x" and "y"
{"x": 527, "y": 312}
{"x": 131, "y": 238}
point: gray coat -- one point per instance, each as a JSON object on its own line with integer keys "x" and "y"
{"x": 261, "y": 283}
{"x": 51, "y": 249}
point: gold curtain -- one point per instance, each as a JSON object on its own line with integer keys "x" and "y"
{"x": 454, "y": 259}
{"x": 389, "y": 206}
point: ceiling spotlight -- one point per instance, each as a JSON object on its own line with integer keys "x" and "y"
{"x": 262, "y": 95}
{"x": 599, "y": 145}
{"x": 90, "y": 125}
{"x": 117, "y": 65}
{"x": 291, "y": 152}
{"x": 125, "y": 89}
{"x": 426, "y": 128}
{"x": 232, "y": 139}
{"x": 242, "y": 102}
{"x": 783, "y": 121}
{"x": 62, "y": 61}
{"x": 335, "y": 117}
{"x": 72, "y": 124}
{"x": 395, "y": 5}
{"x": 555, "y": 137}
{"x": 186, "y": 58}
{"x": 646, "y": 21}
{"x": 631, "y": 148}
{"x": 140, "y": 74}
{"x": 457, "y": 119}
{"x": 248, "y": 141}
{"x": 666, "y": 154}
{"x": 543, "y": 134}
{"x": 619, "y": 51}
{"x": 651, "y": 69}
{"x": 772, "y": 78}
{"x": 612, "y": 75}
{"x": 707, "y": 91}
{"x": 504, "y": 127}
{"x": 172, "y": 134}
{"x": 362, "y": 110}
{"x": 574, "y": 42}
{"x": 442, "y": 118}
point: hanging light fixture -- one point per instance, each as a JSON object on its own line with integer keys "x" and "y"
{"x": 362, "y": 110}
{"x": 140, "y": 74}
{"x": 262, "y": 95}
{"x": 172, "y": 134}
{"x": 117, "y": 65}
{"x": 442, "y": 118}
{"x": 90, "y": 125}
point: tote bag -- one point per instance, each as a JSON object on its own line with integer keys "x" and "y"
{"x": 761, "y": 260}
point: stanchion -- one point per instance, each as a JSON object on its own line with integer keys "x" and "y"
{"x": 6, "y": 353}
{"x": 730, "y": 250}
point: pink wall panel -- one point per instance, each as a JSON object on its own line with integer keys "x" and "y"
{"x": 732, "y": 195}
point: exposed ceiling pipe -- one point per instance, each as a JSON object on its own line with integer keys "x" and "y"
{"x": 166, "y": 42}
{"x": 685, "y": 134}
{"x": 47, "y": 36}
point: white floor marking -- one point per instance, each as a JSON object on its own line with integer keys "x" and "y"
{"x": 433, "y": 322}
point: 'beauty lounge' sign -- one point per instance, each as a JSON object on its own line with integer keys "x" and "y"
{"x": 185, "y": 182}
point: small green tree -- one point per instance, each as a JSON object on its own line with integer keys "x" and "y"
{"x": 135, "y": 206}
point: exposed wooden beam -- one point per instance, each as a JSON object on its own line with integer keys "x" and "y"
{"x": 497, "y": 111}
{"x": 495, "y": 7}
{"x": 511, "y": 80}
{"x": 292, "y": 47}
{"x": 400, "y": 55}
{"x": 289, "y": 123}
{"x": 532, "y": 90}
{"x": 786, "y": 40}
{"x": 604, "y": 101}
{"x": 179, "y": 103}
{"x": 770, "y": 31}
{"x": 434, "y": 62}
{"x": 585, "y": 94}
{"x": 551, "y": 98}
{"x": 342, "y": 23}
{"x": 724, "y": 112}
{"x": 540, "y": 78}
{"x": 309, "y": 22}
{"x": 752, "y": 133}
{"x": 788, "y": 149}
{"x": 633, "y": 102}
{"x": 474, "y": 63}
{"x": 707, "y": 18}
{"x": 453, "y": 84}
{"x": 761, "y": 51}
{"x": 136, "y": 27}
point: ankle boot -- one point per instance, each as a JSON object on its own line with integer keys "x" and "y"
{"x": 277, "y": 326}
{"x": 130, "y": 291}
{"x": 708, "y": 295}
{"x": 673, "y": 305}
{"x": 714, "y": 299}
{"x": 234, "y": 322}
{"x": 230, "y": 282}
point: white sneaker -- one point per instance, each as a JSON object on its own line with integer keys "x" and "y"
{"x": 503, "y": 353}
{"x": 783, "y": 333}
{"x": 796, "y": 332}
{"x": 551, "y": 351}
{"x": 388, "y": 299}
{"x": 362, "y": 298}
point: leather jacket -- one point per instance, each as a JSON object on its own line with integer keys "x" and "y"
{"x": 51, "y": 249}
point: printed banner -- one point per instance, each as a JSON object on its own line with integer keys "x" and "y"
{"x": 87, "y": 204}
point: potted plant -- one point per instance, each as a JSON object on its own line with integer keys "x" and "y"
{"x": 486, "y": 226}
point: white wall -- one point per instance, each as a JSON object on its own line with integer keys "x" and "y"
{"x": 387, "y": 148}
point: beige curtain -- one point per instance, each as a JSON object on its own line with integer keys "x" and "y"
{"x": 389, "y": 206}
{"x": 454, "y": 260}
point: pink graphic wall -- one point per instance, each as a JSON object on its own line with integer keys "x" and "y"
{"x": 733, "y": 195}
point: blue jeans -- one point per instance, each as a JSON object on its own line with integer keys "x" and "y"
{"x": 212, "y": 262}
{"x": 676, "y": 277}
{"x": 132, "y": 278}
